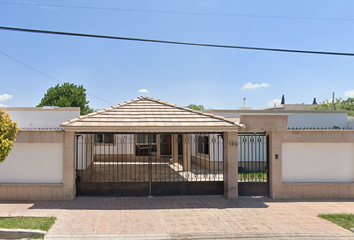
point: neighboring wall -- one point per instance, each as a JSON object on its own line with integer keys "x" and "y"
{"x": 306, "y": 163}
{"x": 351, "y": 122}
{"x": 297, "y": 118}
{"x": 37, "y": 117}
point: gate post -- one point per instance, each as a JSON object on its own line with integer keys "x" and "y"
{"x": 69, "y": 185}
{"x": 230, "y": 165}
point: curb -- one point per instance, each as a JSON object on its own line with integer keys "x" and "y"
{"x": 6, "y": 233}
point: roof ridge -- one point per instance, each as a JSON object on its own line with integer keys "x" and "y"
{"x": 153, "y": 100}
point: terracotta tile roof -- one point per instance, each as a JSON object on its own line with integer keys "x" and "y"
{"x": 144, "y": 113}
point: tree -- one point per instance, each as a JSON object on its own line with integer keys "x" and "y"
{"x": 314, "y": 102}
{"x": 282, "y": 100}
{"x": 8, "y": 132}
{"x": 66, "y": 95}
{"x": 196, "y": 107}
{"x": 339, "y": 104}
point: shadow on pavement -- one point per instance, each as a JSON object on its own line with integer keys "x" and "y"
{"x": 145, "y": 203}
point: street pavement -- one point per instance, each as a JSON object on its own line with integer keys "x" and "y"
{"x": 186, "y": 217}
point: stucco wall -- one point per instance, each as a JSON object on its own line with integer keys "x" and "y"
{"x": 33, "y": 163}
{"x": 318, "y": 162}
{"x": 40, "y": 167}
{"x": 41, "y": 117}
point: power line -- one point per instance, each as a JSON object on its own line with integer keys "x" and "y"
{"x": 28, "y": 3}
{"x": 175, "y": 42}
{"x": 46, "y": 75}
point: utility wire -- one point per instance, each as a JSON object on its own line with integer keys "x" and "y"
{"x": 175, "y": 42}
{"x": 49, "y": 6}
{"x": 46, "y": 75}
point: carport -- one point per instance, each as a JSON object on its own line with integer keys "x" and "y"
{"x": 150, "y": 147}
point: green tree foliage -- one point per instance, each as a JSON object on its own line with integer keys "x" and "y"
{"x": 8, "y": 132}
{"x": 66, "y": 95}
{"x": 339, "y": 104}
{"x": 196, "y": 107}
{"x": 282, "y": 100}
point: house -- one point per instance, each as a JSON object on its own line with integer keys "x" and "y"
{"x": 149, "y": 147}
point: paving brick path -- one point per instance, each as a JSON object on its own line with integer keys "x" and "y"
{"x": 183, "y": 215}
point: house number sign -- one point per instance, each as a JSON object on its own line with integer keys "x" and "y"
{"x": 232, "y": 143}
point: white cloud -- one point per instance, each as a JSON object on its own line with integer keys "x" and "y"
{"x": 349, "y": 94}
{"x": 249, "y": 85}
{"x": 2, "y": 105}
{"x": 143, "y": 90}
{"x": 274, "y": 101}
{"x": 5, "y": 97}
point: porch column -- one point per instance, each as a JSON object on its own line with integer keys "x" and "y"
{"x": 174, "y": 146}
{"x": 230, "y": 165}
{"x": 186, "y": 140}
{"x": 158, "y": 146}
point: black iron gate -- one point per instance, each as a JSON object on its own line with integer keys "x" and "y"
{"x": 112, "y": 164}
{"x": 253, "y": 164}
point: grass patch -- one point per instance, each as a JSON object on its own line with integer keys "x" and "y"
{"x": 40, "y": 223}
{"x": 344, "y": 220}
{"x": 252, "y": 176}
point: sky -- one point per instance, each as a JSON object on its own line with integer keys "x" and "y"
{"x": 114, "y": 71}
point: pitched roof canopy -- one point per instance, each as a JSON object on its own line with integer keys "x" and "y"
{"x": 145, "y": 114}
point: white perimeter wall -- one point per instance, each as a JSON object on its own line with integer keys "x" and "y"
{"x": 318, "y": 162}
{"x": 310, "y": 119}
{"x": 33, "y": 163}
{"x": 323, "y": 120}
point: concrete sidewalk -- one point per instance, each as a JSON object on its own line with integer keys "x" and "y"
{"x": 201, "y": 217}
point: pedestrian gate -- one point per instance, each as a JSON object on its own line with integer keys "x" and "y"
{"x": 115, "y": 164}
{"x": 253, "y": 164}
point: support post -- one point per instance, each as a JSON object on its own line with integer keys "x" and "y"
{"x": 158, "y": 147}
{"x": 174, "y": 146}
{"x": 186, "y": 152}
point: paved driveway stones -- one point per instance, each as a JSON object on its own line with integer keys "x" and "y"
{"x": 187, "y": 217}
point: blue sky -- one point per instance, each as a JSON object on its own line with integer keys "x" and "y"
{"x": 218, "y": 78}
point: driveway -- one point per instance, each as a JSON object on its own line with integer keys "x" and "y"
{"x": 201, "y": 217}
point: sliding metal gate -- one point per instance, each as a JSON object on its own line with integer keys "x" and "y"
{"x": 111, "y": 164}
{"x": 253, "y": 164}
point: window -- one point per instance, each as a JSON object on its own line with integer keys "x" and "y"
{"x": 146, "y": 138}
{"x": 203, "y": 145}
{"x": 104, "y": 138}
{"x": 145, "y": 145}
